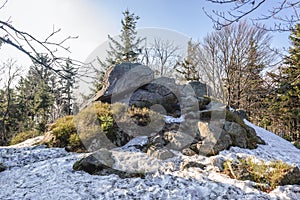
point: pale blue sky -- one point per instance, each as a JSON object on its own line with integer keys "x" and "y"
{"x": 186, "y": 17}
{"x": 93, "y": 20}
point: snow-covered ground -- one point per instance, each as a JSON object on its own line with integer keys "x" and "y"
{"x": 41, "y": 173}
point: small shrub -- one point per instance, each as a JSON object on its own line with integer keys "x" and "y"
{"x": 131, "y": 117}
{"x": 62, "y": 130}
{"x": 74, "y": 141}
{"x": 21, "y": 137}
{"x": 96, "y": 123}
{"x": 267, "y": 175}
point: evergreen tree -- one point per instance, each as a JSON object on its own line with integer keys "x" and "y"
{"x": 189, "y": 67}
{"x": 25, "y": 106}
{"x": 253, "y": 88}
{"x": 35, "y": 92}
{"x": 286, "y": 101}
{"x": 126, "y": 48}
{"x": 68, "y": 85}
{"x": 9, "y": 115}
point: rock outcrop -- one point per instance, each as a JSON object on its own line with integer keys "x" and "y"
{"x": 134, "y": 84}
{"x": 207, "y": 129}
{"x": 161, "y": 91}
{"x": 123, "y": 79}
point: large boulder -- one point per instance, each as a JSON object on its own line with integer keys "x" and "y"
{"x": 199, "y": 88}
{"x": 214, "y": 139}
{"x": 123, "y": 79}
{"x": 134, "y": 84}
{"x": 237, "y": 133}
{"x": 125, "y": 164}
{"x": 162, "y": 91}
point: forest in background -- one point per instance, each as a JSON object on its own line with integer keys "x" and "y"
{"x": 237, "y": 62}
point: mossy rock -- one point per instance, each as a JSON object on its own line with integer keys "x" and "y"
{"x": 252, "y": 139}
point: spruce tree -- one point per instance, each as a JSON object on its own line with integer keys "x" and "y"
{"x": 283, "y": 100}
{"x": 68, "y": 86}
{"x": 289, "y": 90}
{"x": 126, "y": 48}
{"x": 189, "y": 67}
{"x": 35, "y": 96}
{"x": 253, "y": 89}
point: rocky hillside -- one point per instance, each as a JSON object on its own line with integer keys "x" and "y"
{"x": 151, "y": 138}
{"x": 47, "y": 173}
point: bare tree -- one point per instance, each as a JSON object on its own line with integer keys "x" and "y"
{"x": 225, "y": 59}
{"x": 282, "y": 14}
{"x": 161, "y": 56}
{"x": 35, "y": 48}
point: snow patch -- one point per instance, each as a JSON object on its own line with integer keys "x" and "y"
{"x": 42, "y": 173}
{"x": 170, "y": 119}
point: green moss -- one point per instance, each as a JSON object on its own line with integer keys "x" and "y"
{"x": 139, "y": 116}
{"x": 267, "y": 175}
{"x": 97, "y": 118}
{"x": 63, "y": 129}
{"x": 21, "y": 137}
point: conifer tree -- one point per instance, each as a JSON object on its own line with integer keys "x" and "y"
{"x": 287, "y": 100}
{"x": 68, "y": 86}
{"x": 126, "y": 48}
{"x": 35, "y": 96}
{"x": 252, "y": 87}
{"x": 189, "y": 67}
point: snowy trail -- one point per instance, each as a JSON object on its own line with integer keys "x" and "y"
{"x": 41, "y": 173}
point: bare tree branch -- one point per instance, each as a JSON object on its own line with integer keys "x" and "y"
{"x": 161, "y": 56}
{"x": 283, "y": 14}
{"x": 35, "y": 48}
{"x": 2, "y": 6}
